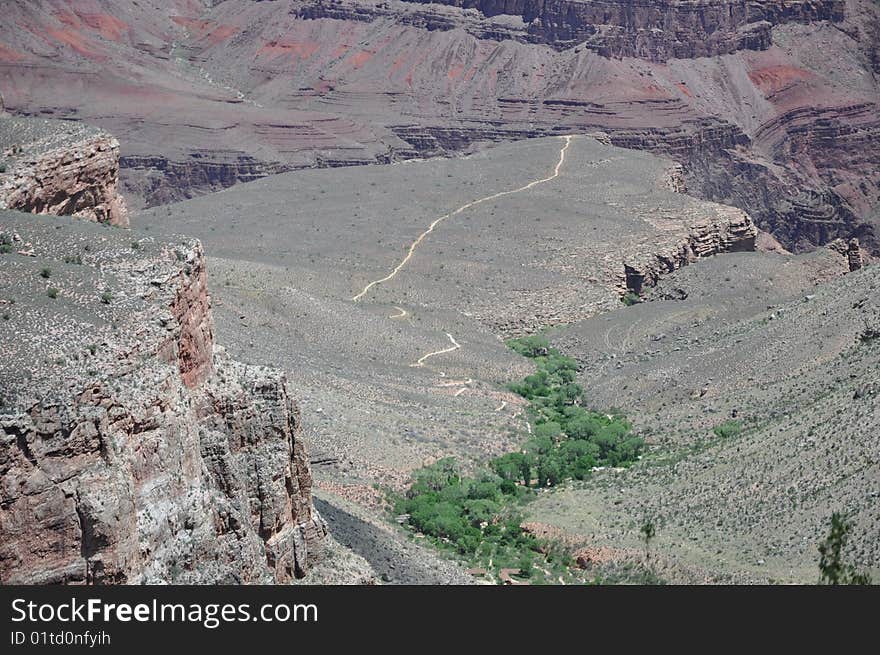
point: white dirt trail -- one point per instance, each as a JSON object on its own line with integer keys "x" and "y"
{"x": 455, "y": 212}
{"x": 402, "y": 312}
{"x": 455, "y": 346}
{"x": 456, "y": 383}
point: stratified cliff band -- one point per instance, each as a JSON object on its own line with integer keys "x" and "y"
{"x": 60, "y": 167}
{"x": 132, "y": 449}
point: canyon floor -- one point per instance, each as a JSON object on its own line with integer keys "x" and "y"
{"x": 394, "y": 375}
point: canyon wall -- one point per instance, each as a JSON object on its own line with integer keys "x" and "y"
{"x": 651, "y": 30}
{"x": 771, "y": 106}
{"x": 132, "y": 448}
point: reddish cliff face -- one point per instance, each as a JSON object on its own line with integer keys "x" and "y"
{"x": 131, "y": 448}
{"x": 192, "y": 348}
{"x": 771, "y": 106}
{"x": 61, "y": 168}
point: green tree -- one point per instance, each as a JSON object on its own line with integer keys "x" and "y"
{"x": 513, "y": 467}
{"x": 531, "y": 347}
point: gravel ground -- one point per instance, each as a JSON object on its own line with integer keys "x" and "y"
{"x": 394, "y": 556}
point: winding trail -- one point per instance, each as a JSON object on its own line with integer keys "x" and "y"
{"x": 455, "y": 212}
{"x": 455, "y": 346}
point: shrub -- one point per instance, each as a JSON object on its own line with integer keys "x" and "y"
{"x": 106, "y": 297}
{"x": 513, "y": 467}
{"x": 45, "y": 272}
{"x": 474, "y": 516}
{"x": 52, "y": 292}
{"x": 603, "y": 439}
{"x": 630, "y": 298}
{"x": 533, "y": 346}
{"x": 478, "y": 516}
{"x": 728, "y": 429}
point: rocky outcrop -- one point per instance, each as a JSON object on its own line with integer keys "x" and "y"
{"x": 159, "y": 180}
{"x": 731, "y": 230}
{"x": 61, "y": 168}
{"x": 132, "y": 448}
{"x": 851, "y": 251}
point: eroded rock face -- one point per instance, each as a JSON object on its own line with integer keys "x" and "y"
{"x": 659, "y": 30}
{"x": 132, "y": 449}
{"x": 730, "y": 230}
{"x": 851, "y": 251}
{"x": 651, "y": 30}
{"x": 61, "y": 168}
{"x": 782, "y": 121}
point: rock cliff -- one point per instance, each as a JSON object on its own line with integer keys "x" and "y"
{"x": 60, "y": 167}
{"x": 132, "y": 448}
{"x": 729, "y": 230}
{"x": 650, "y": 30}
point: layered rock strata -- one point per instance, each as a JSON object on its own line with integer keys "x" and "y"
{"x": 730, "y": 230}
{"x": 655, "y": 31}
{"x": 132, "y": 448}
{"x": 61, "y": 168}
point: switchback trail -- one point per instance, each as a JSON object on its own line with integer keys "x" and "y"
{"x": 455, "y": 346}
{"x": 455, "y": 212}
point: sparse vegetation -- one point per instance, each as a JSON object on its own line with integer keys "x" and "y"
{"x": 869, "y": 333}
{"x": 648, "y": 531}
{"x": 73, "y": 259}
{"x": 832, "y": 568}
{"x": 479, "y": 517}
{"x": 6, "y": 246}
{"x": 728, "y": 429}
{"x": 630, "y": 298}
